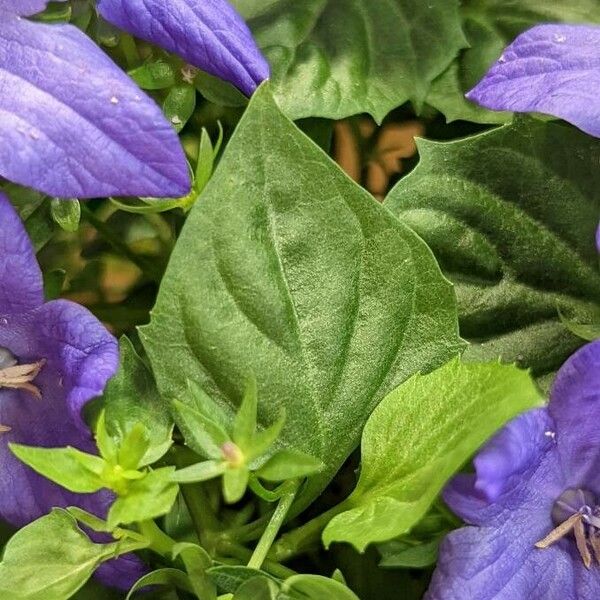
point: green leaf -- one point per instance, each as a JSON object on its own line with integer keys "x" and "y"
{"x": 314, "y": 587}
{"x": 511, "y": 215}
{"x": 70, "y": 468}
{"x": 202, "y": 435}
{"x": 302, "y": 278}
{"x": 335, "y": 58}
{"x": 244, "y": 425}
{"x": 203, "y": 471}
{"x": 66, "y": 213}
{"x": 235, "y": 482}
{"x": 171, "y": 577}
{"x": 257, "y": 588}
{"x": 35, "y": 212}
{"x": 131, "y": 398}
{"x": 155, "y": 75}
{"x": 418, "y": 436}
{"x": 51, "y": 558}
{"x": 179, "y": 105}
{"x": 229, "y": 579}
{"x": 197, "y": 561}
{"x": 489, "y": 26}
{"x": 289, "y": 464}
{"x": 586, "y": 331}
{"x": 147, "y": 498}
{"x": 397, "y": 554}
{"x": 134, "y": 447}
{"x": 264, "y": 439}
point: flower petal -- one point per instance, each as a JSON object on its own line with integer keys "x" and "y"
{"x": 21, "y": 286}
{"x": 520, "y": 450}
{"x": 501, "y": 563}
{"x": 575, "y": 405}
{"x": 72, "y": 124}
{"x": 24, "y": 7}
{"x": 209, "y": 34}
{"x": 551, "y": 69}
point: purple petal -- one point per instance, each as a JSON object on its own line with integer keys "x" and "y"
{"x": 551, "y": 69}
{"x": 209, "y": 34}
{"x": 72, "y": 124}
{"x": 24, "y": 7}
{"x": 520, "y": 450}
{"x": 575, "y": 406}
{"x": 21, "y": 287}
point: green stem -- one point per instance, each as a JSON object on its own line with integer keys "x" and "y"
{"x": 160, "y": 542}
{"x": 275, "y": 524}
{"x": 130, "y": 51}
{"x": 305, "y": 537}
{"x": 148, "y": 267}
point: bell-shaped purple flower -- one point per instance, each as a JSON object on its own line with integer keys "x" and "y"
{"x": 54, "y": 358}
{"x": 551, "y": 69}
{"x": 209, "y": 34}
{"x": 533, "y": 506}
{"x": 72, "y": 124}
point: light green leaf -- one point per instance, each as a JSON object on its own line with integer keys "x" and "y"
{"x": 235, "y": 482}
{"x": 179, "y": 105}
{"x": 418, "y": 436}
{"x": 147, "y": 498}
{"x": 197, "y": 561}
{"x": 511, "y": 215}
{"x": 202, "y": 435}
{"x": 244, "y": 425}
{"x": 51, "y": 558}
{"x": 156, "y": 75}
{"x": 289, "y": 464}
{"x": 171, "y": 577}
{"x": 130, "y": 398}
{"x": 314, "y": 587}
{"x": 335, "y": 58}
{"x": 200, "y": 472}
{"x": 303, "y": 279}
{"x": 489, "y": 26}
{"x": 72, "y": 469}
{"x": 134, "y": 447}
{"x": 66, "y": 213}
{"x": 229, "y": 579}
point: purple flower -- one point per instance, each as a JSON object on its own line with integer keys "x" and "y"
{"x": 54, "y": 358}
{"x": 533, "y": 506}
{"x": 551, "y": 69}
{"x": 72, "y": 124}
{"x": 209, "y": 34}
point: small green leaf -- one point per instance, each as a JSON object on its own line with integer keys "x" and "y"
{"x": 202, "y": 435}
{"x": 66, "y": 213}
{"x": 179, "y": 105}
{"x": 264, "y": 439}
{"x": 154, "y": 75}
{"x": 418, "y": 436}
{"x": 197, "y": 561}
{"x": 235, "y": 482}
{"x": 147, "y": 498}
{"x": 229, "y": 579}
{"x": 586, "y": 331}
{"x": 219, "y": 92}
{"x": 130, "y": 398}
{"x": 244, "y": 425}
{"x": 289, "y": 464}
{"x": 134, "y": 447}
{"x": 70, "y": 468}
{"x": 171, "y": 577}
{"x": 399, "y": 554}
{"x": 314, "y": 587}
{"x": 51, "y": 558}
{"x": 257, "y": 588}
{"x": 203, "y": 471}
{"x": 106, "y": 444}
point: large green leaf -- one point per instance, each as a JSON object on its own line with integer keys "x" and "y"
{"x": 335, "y": 58}
{"x": 418, "y": 436}
{"x": 288, "y": 270}
{"x": 52, "y": 558}
{"x": 511, "y": 216}
{"x": 489, "y": 26}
